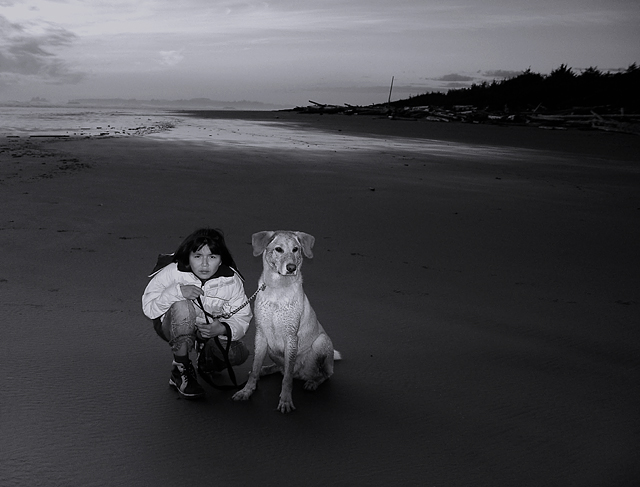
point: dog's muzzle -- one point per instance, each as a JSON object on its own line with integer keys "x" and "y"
{"x": 288, "y": 269}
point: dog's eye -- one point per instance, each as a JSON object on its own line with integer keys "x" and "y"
{"x": 279, "y": 250}
{"x": 295, "y": 249}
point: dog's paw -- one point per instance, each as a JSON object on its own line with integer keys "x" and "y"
{"x": 286, "y": 406}
{"x": 242, "y": 395}
{"x": 311, "y": 385}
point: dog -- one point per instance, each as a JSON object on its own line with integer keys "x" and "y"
{"x": 287, "y": 329}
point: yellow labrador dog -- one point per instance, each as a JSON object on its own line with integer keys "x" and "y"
{"x": 286, "y": 325}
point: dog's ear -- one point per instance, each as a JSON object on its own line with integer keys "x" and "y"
{"x": 307, "y": 242}
{"x": 259, "y": 241}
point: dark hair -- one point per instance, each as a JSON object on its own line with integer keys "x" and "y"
{"x": 212, "y": 238}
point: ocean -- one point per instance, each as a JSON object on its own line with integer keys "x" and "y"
{"x": 228, "y": 131}
{"x": 77, "y": 121}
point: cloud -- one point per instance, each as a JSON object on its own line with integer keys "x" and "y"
{"x": 170, "y": 58}
{"x": 455, "y": 78}
{"x": 456, "y": 85}
{"x": 25, "y": 51}
{"x": 501, "y": 74}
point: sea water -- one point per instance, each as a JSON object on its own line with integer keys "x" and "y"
{"x": 76, "y": 121}
{"x": 228, "y": 132}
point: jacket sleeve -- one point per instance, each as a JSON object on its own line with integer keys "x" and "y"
{"x": 239, "y": 322}
{"x": 161, "y": 292}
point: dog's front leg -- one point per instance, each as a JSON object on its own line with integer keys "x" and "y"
{"x": 290, "y": 355}
{"x": 258, "y": 359}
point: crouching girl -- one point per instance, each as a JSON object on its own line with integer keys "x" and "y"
{"x": 182, "y": 298}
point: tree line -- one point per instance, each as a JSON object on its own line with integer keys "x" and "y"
{"x": 562, "y": 89}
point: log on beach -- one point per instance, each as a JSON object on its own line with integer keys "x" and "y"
{"x": 484, "y": 297}
{"x": 50, "y": 135}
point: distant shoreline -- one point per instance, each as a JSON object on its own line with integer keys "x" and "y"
{"x": 597, "y": 143}
{"x": 610, "y": 145}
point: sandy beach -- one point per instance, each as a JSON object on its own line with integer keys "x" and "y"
{"x": 481, "y": 282}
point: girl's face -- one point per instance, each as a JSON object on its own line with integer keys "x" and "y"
{"x": 203, "y": 263}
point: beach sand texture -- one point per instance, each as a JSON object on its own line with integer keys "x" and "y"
{"x": 481, "y": 283}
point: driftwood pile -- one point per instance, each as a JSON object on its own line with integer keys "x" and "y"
{"x": 585, "y": 118}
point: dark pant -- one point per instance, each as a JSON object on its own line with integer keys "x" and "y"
{"x": 178, "y": 326}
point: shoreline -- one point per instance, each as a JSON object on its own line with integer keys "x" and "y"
{"x": 588, "y": 142}
{"x": 591, "y": 143}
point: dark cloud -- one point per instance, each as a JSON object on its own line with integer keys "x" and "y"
{"x": 456, "y": 85}
{"x": 501, "y": 74}
{"x": 27, "y": 54}
{"x": 455, "y": 78}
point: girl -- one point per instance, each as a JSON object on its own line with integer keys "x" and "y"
{"x": 201, "y": 277}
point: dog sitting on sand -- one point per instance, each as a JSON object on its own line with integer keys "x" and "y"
{"x": 287, "y": 328}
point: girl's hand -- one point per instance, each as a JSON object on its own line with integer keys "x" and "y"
{"x": 190, "y": 291}
{"x": 210, "y": 330}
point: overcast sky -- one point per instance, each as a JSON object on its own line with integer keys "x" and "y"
{"x": 290, "y": 51}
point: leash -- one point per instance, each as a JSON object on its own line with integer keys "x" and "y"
{"x": 224, "y": 350}
{"x": 234, "y": 311}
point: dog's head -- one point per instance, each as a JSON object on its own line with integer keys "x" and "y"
{"x": 283, "y": 250}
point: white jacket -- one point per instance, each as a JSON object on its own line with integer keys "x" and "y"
{"x": 221, "y": 295}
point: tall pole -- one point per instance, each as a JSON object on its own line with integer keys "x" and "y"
{"x": 390, "y": 89}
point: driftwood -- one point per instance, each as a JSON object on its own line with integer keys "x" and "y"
{"x": 579, "y": 118}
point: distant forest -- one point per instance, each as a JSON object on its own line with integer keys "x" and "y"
{"x": 562, "y": 89}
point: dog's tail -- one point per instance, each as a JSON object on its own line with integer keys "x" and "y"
{"x": 337, "y": 355}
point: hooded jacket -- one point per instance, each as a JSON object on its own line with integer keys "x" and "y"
{"x": 223, "y": 292}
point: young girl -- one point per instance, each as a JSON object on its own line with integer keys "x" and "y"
{"x": 201, "y": 277}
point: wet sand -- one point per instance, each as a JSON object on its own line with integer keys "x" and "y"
{"x": 481, "y": 282}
